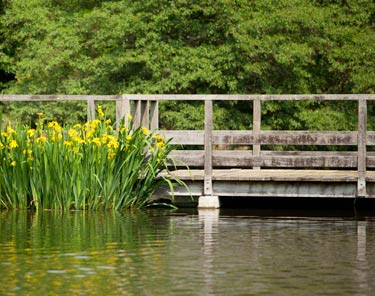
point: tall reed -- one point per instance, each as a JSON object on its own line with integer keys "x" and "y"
{"x": 88, "y": 166}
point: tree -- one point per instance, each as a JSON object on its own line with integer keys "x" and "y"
{"x": 224, "y": 46}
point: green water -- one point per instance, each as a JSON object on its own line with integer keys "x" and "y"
{"x": 185, "y": 252}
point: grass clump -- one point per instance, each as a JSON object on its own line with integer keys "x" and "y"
{"x": 88, "y": 166}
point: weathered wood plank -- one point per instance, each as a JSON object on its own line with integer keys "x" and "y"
{"x": 237, "y": 137}
{"x": 270, "y": 159}
{"x": 154, "y": 115}
{"x": 184, "y": 137}
{"x": 362, "y": 137}
{"x": 161, "y": 97}
{"x": 192, "y": 158}
{"x": 145, "y": 115}
{"x": 278, "y": 175}
{"x": 257, "y": 112}
{"x": 285, "y": 138}
{"x": 208, "y": 127}
{"x": 136, "y": 113}
{"x": 307, "y": 160}
{"x": 122, "y": 109}
{"x": 91, "y": 112}
{"x": 370, "y": 138}
{"x": 370, "y": 161}
{"x": 36, "y": 98}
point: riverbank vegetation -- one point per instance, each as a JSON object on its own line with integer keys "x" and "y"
{"x": 121, "y": 46}
{"x": 83, "y": 166}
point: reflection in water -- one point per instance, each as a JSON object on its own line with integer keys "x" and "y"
{"x": 42, "y": 252}
{"x": 210, "y": 220}
{"x": 362, "y": 264}
{"x": 209, "y": 252}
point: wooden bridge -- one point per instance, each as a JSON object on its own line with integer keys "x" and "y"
{"x": 220, "y": 167}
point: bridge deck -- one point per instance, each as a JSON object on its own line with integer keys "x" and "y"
{"x": 273, "y": 183}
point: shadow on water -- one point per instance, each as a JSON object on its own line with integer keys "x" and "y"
{"x": 310, "y": 207}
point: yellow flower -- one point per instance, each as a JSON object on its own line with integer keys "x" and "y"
{"x": 56, "y": 137}
{"x": 13, "y": 163}
{"x": 78, "y": 140}
{"x": 10, "y": 131}
{"x": 77, "y": 126}
{"x": 100, "y": 111}
{"x": 96, "y": 141}
{"x": 31, "y": 132}
{"x": 94, "y": 123}
{"x": 123, "y": 130}
{"x": 130, "y": 117}
{"x": 68, "y": 143}
{"x": 41, "y": 139}
{"x": 104, "y": 138}
{"x": 128, "y": 137}
{"x": 73, "y": 133}
{"x": 113, "y": 144}
{"x": 108, "y": 121}
{"x": 158, "y": 138}
{"x": 55, "y": 125}
{"x": 1, "y": 145}
{"x": 145, "y": 131}
{"x": 13, "y": 144}
{"x": 89, "y": 134}
{"x": 160, "y": 145}
{"x": 39, "y": 114}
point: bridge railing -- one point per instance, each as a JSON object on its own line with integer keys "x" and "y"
{"x": 145, "y": 112}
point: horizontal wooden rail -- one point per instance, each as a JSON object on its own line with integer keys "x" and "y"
{"x": 271, "y": 159}
{"x": 240, "y": 137}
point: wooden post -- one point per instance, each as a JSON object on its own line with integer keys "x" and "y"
{"x": 256, "y": 127}
{"x": 90, "y": 109}
{"x": 154, "y": 115}
{"x": 122, "y": 110}
{"x": 208, "y": 127}
{"x": 145, "y": 120}
{"x": 208, "y": 200}
{"x": 137, "y": 113}
{"x": 362, "y": 149}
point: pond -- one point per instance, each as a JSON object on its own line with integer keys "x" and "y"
{"x": 186, "y": 252}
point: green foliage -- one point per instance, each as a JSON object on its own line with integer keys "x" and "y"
{"x": 67, "y": 112}
{"x": 86, "y": 166}
{"x": 114, "y": 47}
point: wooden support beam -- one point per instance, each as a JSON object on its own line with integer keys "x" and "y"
{"x": 145, "y": 116}
{"x": 208, "y": 127}
{"x": 122, "y": 110}
{"x": 362, "y": 148}
{"x": 90, "y": 109}
{"x": 136, "y": 113}
{"x": 154, "y": 115}
{"x": 256, "y": 127}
